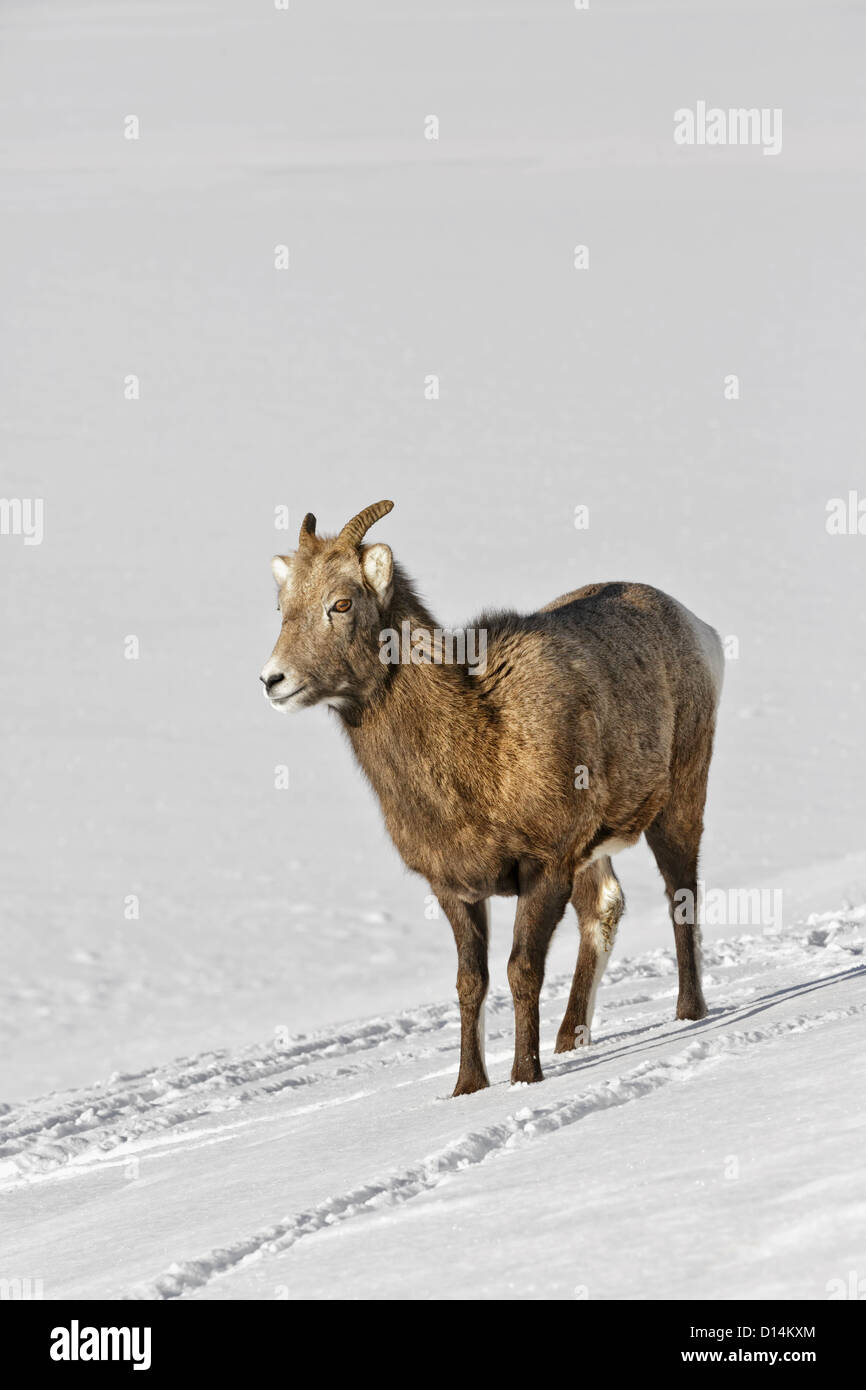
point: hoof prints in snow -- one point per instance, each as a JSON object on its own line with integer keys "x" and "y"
{"x": 477, "y": 1147}
{"x": 67, "y": 1130}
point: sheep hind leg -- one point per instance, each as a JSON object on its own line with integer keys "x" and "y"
{"x": 674, "y": 840}
{"x": 599, "y": 902}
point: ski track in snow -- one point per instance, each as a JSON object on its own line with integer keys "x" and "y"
{"x": 68, "y": 1135}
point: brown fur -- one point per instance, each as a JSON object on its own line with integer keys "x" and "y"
{"x": 475, "y": 773}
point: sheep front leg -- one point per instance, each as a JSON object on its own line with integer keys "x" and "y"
{"x": 469, "y": 922}
{"x": 539, "y": 910}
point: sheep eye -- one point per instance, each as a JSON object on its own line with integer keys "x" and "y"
{"x": 342, "y": 605}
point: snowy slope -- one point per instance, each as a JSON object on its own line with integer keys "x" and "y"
{"x": 336, "y": 1164}
{"x": 267, "y": 914}
{"x": 156, "y": 777}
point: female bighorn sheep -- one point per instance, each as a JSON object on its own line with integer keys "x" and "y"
{"x": 591, "y": 722}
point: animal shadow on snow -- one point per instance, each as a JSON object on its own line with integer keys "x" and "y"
{"x": 584, "y": 1059}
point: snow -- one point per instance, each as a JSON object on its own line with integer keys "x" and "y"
{"x": 338, "y": 1166}
{"x": 267, "y": 918}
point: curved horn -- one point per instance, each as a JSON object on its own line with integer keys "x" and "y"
{"x": 355, "y": 530}
{"x": 308, "y": 528}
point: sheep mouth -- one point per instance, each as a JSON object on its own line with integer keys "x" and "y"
{"x": 284, "y": 699}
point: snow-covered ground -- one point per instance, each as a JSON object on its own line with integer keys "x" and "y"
{"x": 718, "y": 1159}
{"x": 265, "y": 913}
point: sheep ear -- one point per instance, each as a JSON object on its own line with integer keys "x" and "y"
{"x": 377, "y": 563}
{"x": 282, "y": 568}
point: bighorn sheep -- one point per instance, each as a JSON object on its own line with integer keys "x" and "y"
{"x": 591, "y": 723}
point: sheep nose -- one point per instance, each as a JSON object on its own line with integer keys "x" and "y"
{"x": 270, "y": 681}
